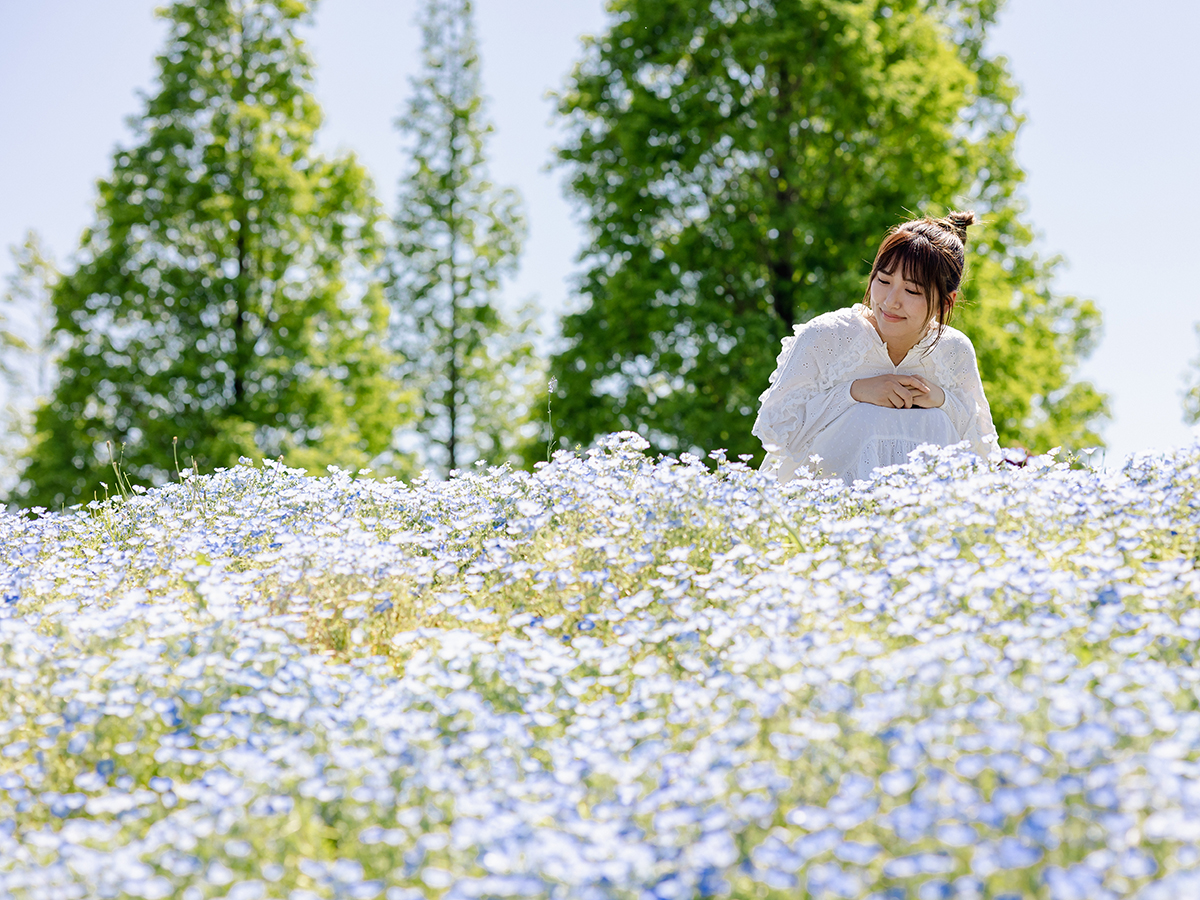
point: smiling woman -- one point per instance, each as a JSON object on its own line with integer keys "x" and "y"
{"x": 863, "y": 387}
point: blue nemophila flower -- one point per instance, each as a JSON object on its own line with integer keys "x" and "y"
{"x": 612, "y": 677}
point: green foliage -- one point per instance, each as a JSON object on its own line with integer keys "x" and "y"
{"x": 223, "y": 293}
{"x": 457, "y": 236}
{"x": 1191, "y": 398}
{"x": 27, "y": 347}
{"x": 1029, "y": 341}
{"x": 739, "y": 164}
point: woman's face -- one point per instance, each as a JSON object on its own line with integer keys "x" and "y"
{"x": 901, "y": 308}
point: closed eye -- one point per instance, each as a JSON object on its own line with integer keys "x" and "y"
{"x": 916, "y": 292}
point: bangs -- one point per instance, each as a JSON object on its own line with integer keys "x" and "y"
{"x": 928, "y": 253}
{"x": 916, "y": 257}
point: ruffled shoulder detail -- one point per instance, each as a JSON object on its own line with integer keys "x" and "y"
{"x": 817, "y": 357}
{"x": 826, "y": 336}
{"x": 849, "y": 318}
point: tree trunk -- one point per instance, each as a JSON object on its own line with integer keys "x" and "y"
{"x": 241, "y": 287}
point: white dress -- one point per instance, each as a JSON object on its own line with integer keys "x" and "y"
{"x": 808, "y": 409}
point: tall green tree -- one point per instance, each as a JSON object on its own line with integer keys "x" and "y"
{"x": 457, "y": 236}
{"x": 223, "y": 294}
{"x": 739, "y": 163}
{"x": 26, "y": 349}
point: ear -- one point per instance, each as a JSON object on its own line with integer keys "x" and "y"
{"x": 953, "y": 297}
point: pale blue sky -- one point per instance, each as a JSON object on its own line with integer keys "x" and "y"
{"x": 1111, "y": 91}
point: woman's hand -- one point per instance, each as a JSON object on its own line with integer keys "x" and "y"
{"x": 898, "y": 392}
{"x": 933, "y": 397}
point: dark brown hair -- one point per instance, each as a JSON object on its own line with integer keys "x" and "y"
{"x": 929, "y": 252}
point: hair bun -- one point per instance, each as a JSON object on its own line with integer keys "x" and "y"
{"x": 958, "y": 221}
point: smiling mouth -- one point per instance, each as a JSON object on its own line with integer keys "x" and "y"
{"x": 890, "y": 317}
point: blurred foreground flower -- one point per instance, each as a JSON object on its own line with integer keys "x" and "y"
{"x": 614, "y": 677}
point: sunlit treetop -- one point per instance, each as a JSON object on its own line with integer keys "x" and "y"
{"x": 738, "y": 164}
{"x": 223, "y": 293}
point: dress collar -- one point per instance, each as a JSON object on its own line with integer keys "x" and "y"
{"x": 930, "y": 331}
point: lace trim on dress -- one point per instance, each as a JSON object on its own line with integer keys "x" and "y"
{"x": 931, "y": 330}
{"x": 811, "y": 362}
{"x": 785, "y": 419}
{"x": 809, "y": 389}
{"x": 957, "y": 371}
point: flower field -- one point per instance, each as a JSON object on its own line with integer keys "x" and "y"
{"x": 612, "y": 678}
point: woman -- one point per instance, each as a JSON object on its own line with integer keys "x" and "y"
{"x": 862, "y": 387}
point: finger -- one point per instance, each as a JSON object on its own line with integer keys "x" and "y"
{"x": 912, "y": 381}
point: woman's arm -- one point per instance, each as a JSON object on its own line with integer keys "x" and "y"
{"x": 803, "y": 397}
{"x": 898, "y": 392}
{"x": 966, "y": 405}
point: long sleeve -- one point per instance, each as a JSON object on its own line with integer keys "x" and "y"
{"x": 808, "y": 408}
{"x": 957, "y": 372}
{"x": 806, "y": 394}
